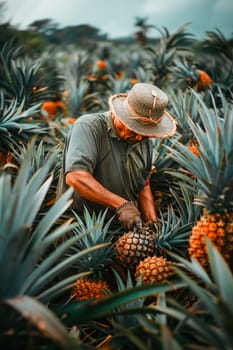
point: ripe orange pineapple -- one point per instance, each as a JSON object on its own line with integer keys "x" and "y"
{"x": 204, "y": 80}
{"x": 89, "y": 289}
{"x": 219, "y": 228}
{"x": 193, "y": 147}
{"x": 101, "y": 64}
{"x": 154, "y": 269}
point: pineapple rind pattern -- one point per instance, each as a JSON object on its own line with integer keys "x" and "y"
{"x": 134, "y": 246}
{"x": 219, "y": 229}
{"x": 154, "y": 269}
{"x": 85, "y": 289}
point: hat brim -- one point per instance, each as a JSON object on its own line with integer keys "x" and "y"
{"x": 119, "y": 107}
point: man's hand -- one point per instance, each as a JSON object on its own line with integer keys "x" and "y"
{"x": 129, "y": 216}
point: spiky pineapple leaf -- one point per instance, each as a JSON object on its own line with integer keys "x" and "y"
{"x": 45, "y": 321}
{"x": 93, "y": 229}
{"x": 214, "y": 296}
{"x": 221, "y": 274}
{"x": 26, "y": 265}
{"x": 213, "y": 167}
{"x": 77, "y": 312}
{"x": 17, "y": 124}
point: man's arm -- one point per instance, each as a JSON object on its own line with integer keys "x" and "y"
{"x": 89, "y": 188}
{"x": 147, "y": 205}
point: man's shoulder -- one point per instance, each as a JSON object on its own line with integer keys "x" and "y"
{"x": 92, "y": 117}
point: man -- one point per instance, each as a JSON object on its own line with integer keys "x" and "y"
{"x": 108, "y": 156}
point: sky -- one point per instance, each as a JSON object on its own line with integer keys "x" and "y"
{"x": 117, "y": 18}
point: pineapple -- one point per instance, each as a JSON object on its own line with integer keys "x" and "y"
{"x": 213, "y": 171}
{"x": 134, "y": 246}
{"x": 219, "y": 228}
{"x": 85, "y": 289}
{"x": 204, "y": 81}
{"x": 154, "y": 269}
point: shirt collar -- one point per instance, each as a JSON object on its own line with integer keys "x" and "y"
{"x": 110, "y": 126}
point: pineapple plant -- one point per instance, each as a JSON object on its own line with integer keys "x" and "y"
{"x": 22, "y": 91}
{"x": 95, "y": 238}
{"x": 185, "y": 74}
{"x": 170, "y": 47}
{"x": 213, "y": 170}
{"x": 27, "y": 270}
{"x": 21, "y": 79}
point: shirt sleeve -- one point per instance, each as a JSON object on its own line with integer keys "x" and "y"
{"x": 82, "y": 149}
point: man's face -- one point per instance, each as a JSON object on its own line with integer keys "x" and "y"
{"x": 125, "y": 133}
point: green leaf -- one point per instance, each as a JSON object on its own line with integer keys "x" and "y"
{"x": 221, "y": 274}
{"x": 82, "y": 312}
{"x": 44, "y": 320}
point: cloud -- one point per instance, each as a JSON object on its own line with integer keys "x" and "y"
{"x": 223, "y": 6}
{"x": 151, "y": 7}
{"x": 117, "y": 18}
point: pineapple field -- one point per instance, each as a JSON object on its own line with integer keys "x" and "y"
{"x": 77, "y": 282}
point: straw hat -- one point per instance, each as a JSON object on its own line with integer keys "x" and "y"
{"x": 143, "y": 110}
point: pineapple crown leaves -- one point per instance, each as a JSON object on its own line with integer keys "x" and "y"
{"x": 171, "y": 232}
{"x": 119, "y": 85}
{"x": 11, "y": 50}
{"x": 77, "y": 67}
{"x": 81, "y": 99}
{"x": 160, "y": 61}
{"x": 93, "y": 231}
{"x": 24, "y": 80}
{"x": 213, "y": 167}
{"x": 15, "y": 123}
{"x": 216, "y": 43}
{"x": 184, "y": 206}
{"x": 124, "y": 319}
{"x": 183, "y": 73}
{"x": 128, "y": 283}
{"x": 40, "y": 153}
{"x": 52, "y": 78}
{"x": 161, "y": 156}
{"x": 162, "y": 178}
{"x": 180, "y": 39}
{"x": 181, "y": 104}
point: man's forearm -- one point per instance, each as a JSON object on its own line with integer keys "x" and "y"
{"x": 147, "y": 205}
{"x": 89, "y": 188}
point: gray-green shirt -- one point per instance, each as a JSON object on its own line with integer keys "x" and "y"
{"x": 95, "y": 147}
